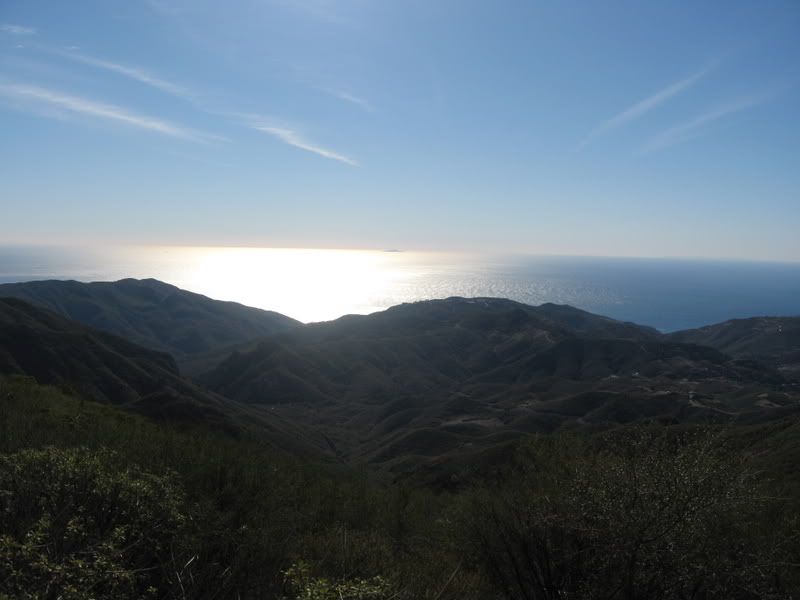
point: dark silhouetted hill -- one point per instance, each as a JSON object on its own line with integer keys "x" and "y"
{"x": 152, "y": 313}
{"x": 97, "y": 365}
{"x": 425, "y": 380}
{"x": 772, "y": 340}
{"x": 407, "y": 349}
{"x": 100, "y": 366}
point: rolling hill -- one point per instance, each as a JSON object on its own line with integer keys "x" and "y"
{"x": 772, "y": 340}
{"x": 414, "y": 384}
{"x": 97, "y": 365}
{"x": 102, "y": 367}
{"x": 153, "y": 314}
{"x": 431, "y": 379}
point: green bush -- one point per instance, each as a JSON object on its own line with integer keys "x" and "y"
{"x": 638, "y": 513}
{"x": 302, "y": 586}
{"x": 98, "y": 503}
{"x": 77, "y": 523}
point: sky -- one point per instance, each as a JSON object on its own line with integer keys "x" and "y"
{"x": 588, "y": 128}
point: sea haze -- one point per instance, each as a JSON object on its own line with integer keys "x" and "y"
{"x": 316, "y": 285}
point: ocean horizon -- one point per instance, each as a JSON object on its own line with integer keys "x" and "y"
{"x": 318, "y": 285}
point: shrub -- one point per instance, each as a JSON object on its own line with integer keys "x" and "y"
{"x": 640, "y": 514}
{"x": 302, "y": 586}
{"x": 77, "y": 523}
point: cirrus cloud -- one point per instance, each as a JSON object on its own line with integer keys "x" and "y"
{"x": 17, "y": 29}
{"x": 35, "y": 97}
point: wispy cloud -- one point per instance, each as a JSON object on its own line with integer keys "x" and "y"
{"x": 17, "y": 29}
{"x": 44, "y": 98}
{"x": 351, "y": 98}
{"x": 643, "y": 107}
{"x": 295, "y": 139}
{"x": 685, "y": 131}
{"x": 135, "y": 73}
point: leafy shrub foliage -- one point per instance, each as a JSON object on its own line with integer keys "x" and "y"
{"x": 98, "y": 503}
{"x": 302, "y": 586}
{"x": 638, "y": 514}
{"x": 76, "y": 523}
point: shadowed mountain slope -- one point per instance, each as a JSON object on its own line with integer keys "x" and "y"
{"x": 416, "y": 383}
{"x": 152, "y": 313}
{"x": 106, "y": 368}
{"x": 407, "y": 349}
{"x": 98, "y": 365}
{"x": 424, "y": 380}
{"x": 773, "y": 340}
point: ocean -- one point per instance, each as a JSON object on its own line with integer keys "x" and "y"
{"x": 317, "y": 285}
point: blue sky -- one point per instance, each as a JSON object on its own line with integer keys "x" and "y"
{"x": 613, "y": 128}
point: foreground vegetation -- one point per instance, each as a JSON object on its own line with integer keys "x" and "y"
{"x": 96, "y": 502}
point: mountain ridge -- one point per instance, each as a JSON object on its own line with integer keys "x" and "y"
{"x": 100, "y": 366}
{"x": 774, "y": 340}
{"x": 105, "y": 368}
{"x": 423, "y": 380}
{"x": 442, "y": 376}
{"x": 152, "y": 313}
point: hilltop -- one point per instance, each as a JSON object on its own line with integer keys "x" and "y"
{"x": 441, "y": 378}
{"x": 153, "y": 314}
{"x": 772, "y": 340}
{"x": 418, "y": 383}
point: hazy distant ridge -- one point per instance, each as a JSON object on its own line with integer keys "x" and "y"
{"x": 152, "y": 313}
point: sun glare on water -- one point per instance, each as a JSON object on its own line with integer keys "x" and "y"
{"x": 309, "y": 285}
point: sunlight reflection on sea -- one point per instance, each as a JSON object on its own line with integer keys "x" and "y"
{"x": 315, "y": 285}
